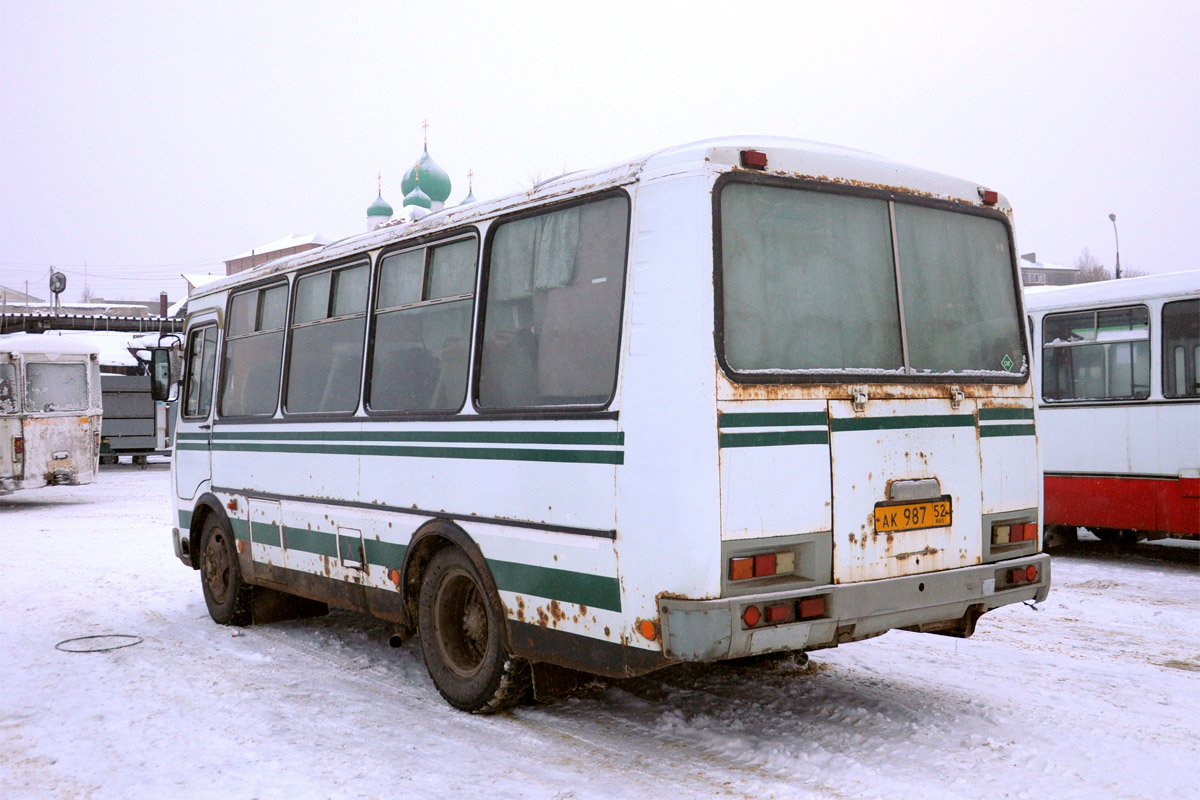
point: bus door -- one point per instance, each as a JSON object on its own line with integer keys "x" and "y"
{"x": 193, "y": 428}
{"x": 12, "y": 442}
{"x": 906, "y": 486}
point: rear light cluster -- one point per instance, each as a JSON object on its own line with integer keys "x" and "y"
{"x": 1023, "y": 575}
{"x": 18, "y": 447}
{"x": 1014, "y": 533}
{"x": 764, "y": 565}
{"x": 783, "y": 611}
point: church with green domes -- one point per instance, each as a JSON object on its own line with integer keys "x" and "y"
{"x": 426, "y": 187}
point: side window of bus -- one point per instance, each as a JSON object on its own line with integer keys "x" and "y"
{"x": 325, "y": 351}
{"x": 1096, "y": 355}
{"x": 201, "y": 366}
{"x": 552, "y": 315}
{"x": 253, "y": 352}
{"x": 1181, "y": 349}
{"x": 422, "y": 328}
{"x": 8, "y": 388}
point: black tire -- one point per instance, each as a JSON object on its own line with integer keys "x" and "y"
{"x": 460, "y": 621}
{"x": 1107, "y": 535}
{"x": 226, "y": 594}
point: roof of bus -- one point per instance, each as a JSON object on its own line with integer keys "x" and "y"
{"x": 34, "y": 344}
{"x": 788, "y": 157}
{"x": 1045, "y": 298}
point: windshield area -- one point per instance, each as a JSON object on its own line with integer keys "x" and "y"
{"x": 808, "y": 283}
{"x": 8, "y": 388}
{"x": 55, "y": 387}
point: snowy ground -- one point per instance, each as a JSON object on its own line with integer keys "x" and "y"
{"x": 1094, "y": 695}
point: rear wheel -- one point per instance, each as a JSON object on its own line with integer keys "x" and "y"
{"x": 225, "y": 593}
{"x": 459, "y": 621}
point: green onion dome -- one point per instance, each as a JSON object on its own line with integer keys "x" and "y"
{"x": 433, "y": 180}
{"x": 379, "y": 208}
{"x": 417, "y": 198}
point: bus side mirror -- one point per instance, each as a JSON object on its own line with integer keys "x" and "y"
{"x": 160, "y": 373}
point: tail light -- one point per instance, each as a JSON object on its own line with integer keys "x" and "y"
{"x": 1023, "y": 575}
{"x": 18, "y": 448}
{"x": 780, "y": 612}
{"x": 96, "y": 441}
{"x": 1014, "y": 533}
{"x": 763, "y": 565}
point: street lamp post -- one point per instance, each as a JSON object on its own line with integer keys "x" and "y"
{"x": 1117, "y": 239}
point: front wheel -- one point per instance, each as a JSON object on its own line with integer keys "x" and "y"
{"x": 459, "y": 622}
{"x": 227, "y": 596}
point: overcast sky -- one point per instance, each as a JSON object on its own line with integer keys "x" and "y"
{"x": 145, "y": 139}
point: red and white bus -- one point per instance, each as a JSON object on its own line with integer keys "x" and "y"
{"x": 1118, "y": 383}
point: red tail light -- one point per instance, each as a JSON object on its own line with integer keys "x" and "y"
{"x": 1031, "y": 573}
{"x": 18, "y": 447}
{"x": 751, "y": 616}
{"x": 812, "y": 607}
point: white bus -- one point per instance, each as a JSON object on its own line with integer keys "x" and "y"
{"x": 1119, "y": 405}
{"x": 49, "y": 411}
{"x": 734, "y": 397}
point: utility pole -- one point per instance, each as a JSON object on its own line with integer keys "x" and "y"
{"x": 1113, "y": 219}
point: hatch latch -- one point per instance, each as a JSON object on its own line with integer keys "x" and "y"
{"x": 956, "y": 398}
{"x": 858, "y": 396}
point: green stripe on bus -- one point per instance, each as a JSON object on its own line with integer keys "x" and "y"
{"x": 1005, "y": 413}
{"x": 310, "y": 541}
{"x": 241, "y": 529}
{"x": 183, "y": 435}
{"x": 774, "y": 419}
{"x": 614, "y": 438}
{"x": 384, "y": 554}
{"x": 484, "y": 453}
{"x": 596, "y": 591}
{"x": 899, "y": 423}
{"x": 265, "y": 533}
{"x": 773, "y": 439}
{"x": 986, "y": 431}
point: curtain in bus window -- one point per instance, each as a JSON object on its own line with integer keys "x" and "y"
{"x": 808, "y": 281}
{"x": 8, "y": 388}
{"x": 56, "y": 387}
{"x": 960, "y": 302}
{"x": 553, "y": 314}
{"x": 1181, "y": 348}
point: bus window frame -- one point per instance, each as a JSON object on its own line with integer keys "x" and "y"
{"x": 425, "y": 243}
{"x": 835, "y": 376}
{"x": 357, "y": 260}
{"x": 222, "y": 351}
{"x": 590, "y": 411}
{"x": 1162, "y": 349}
{"x": 1095, "y": 312}
{"x": 188, "y": 374}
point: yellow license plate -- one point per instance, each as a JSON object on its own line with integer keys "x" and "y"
{"x": 912, "y": 516}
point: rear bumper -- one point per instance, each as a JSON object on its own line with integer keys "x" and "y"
{"x": 710, "y": 630}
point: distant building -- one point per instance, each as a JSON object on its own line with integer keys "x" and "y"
{"x": 1035, "y": 273}
{"x": 287, "y": 246}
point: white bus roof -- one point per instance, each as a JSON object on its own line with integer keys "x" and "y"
{"x": 36, "y": 344}
{"x": 1047, "y": 298}
{"x": 797, "y": 158}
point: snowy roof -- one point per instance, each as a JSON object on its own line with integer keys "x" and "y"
{"x": 791, "y": 157}
{"x": 295, "y": 240}
{"x": 198, "y": 279}
{"x": 1041, "y": 298}
{"x": 1038, "y": 265}
{"x": 47, "y": 344}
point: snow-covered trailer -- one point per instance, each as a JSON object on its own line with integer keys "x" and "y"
{"x": 733, "y": 397}
{"x": 50, "y": 411}
{"x": 1119, "y": 405}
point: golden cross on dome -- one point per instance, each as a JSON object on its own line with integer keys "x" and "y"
{"x": 425, "y": 126}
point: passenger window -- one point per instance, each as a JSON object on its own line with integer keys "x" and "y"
{"x": 1181, "y": 349}
{"x": 201, "y": 366}
{"x": 552, "y": 315}
{"x": 325, "y": 351}
{"x": 253, "y": 352}
{"x": 422, "y": 328}
{"x": 1096, "y": 355}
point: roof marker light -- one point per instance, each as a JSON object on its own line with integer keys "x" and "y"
{"x": 754, "y": 159}
{"x": 989, "y": 196}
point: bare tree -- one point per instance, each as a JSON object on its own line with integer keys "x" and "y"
{"x": 1090, "y": 268}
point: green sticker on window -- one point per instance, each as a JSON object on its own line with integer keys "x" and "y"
{"x": 1006, "y": 363}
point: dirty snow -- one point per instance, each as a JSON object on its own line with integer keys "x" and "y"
{"x": 1094, "y": 695}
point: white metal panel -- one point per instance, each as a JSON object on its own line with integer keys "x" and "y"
{"x": 903, "y": 440}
